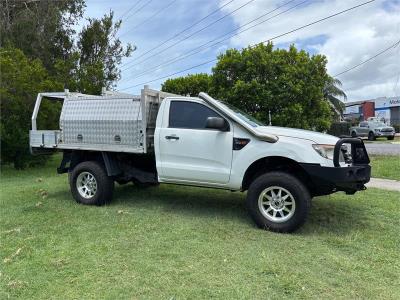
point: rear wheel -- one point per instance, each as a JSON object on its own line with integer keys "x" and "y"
{"x": 278, "y": 202}
{"x": 371, "y": 136}
{"x": 90, "y": 184}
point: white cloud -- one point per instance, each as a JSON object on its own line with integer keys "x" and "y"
{"x": 348, "y": 39}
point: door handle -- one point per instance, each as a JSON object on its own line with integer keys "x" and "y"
{"x": 172, "y": 137}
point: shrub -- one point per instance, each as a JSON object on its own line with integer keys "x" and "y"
{"x": 21, "y": 80}
{"x": 339, "y": 128}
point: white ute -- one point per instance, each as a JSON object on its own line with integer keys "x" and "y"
{"x": 163, "y": 138}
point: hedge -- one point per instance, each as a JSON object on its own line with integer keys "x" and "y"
{"x": 340, "y": 128}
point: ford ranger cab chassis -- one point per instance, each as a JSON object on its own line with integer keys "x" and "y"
{"x": 199, "y": 141}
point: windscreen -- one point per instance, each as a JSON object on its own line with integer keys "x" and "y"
{"x": 242, "y": 115}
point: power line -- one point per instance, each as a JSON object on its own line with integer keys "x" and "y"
{"x": 320, "y": 20}
{"x": 398, "y": 75}
{"x": 182, "y": 31}
{"x": 199, "y": 48}
{"x": 139, "y": 9}
{"x": 149, "y": 18}
{"x": 132, "y": 7}
{"x": 369, "y": 59}
{"x": 199, "y": 65}
{"x": 194, "y": 33}
{"x": 357, "y": 86}
{"x": 268, "y": 40}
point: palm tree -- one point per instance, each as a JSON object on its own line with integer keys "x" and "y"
{"x": 333, "y": 93}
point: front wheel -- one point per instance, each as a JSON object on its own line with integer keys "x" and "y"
{"x": 90, "y": 184}
{"x": 390, "y": 138}
{"x": 371, "y": 136}
{"x": 278, "y": 202}
{"x": 353, "y": 134}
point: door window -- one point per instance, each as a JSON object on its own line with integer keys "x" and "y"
{"x": 192, "y": 115}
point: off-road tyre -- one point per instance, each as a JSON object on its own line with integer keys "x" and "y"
{"x": 105, "y": 184}
{"x": 290, "y": 183}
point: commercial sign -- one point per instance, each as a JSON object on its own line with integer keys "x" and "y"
{"x": 387, "y": 102}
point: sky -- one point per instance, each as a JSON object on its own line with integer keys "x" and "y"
{"x": 154, "y": 26}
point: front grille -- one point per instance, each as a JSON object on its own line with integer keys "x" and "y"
{"x": 386, "y": 130}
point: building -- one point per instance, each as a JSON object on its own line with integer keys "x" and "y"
{"x": 387, "y": 108}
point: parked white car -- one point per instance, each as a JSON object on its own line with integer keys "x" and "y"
{"x": 373, "y": 129}
{"x": 199, "y": 141}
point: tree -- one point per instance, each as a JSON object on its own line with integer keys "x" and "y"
{"x": 45, "y": 30}
{"x": 100, "y": 54}
{"x": 333, "y": 93}
{"x": 191, "y": 85}
{"x": 289, "y": 83}
{"x": 41, "y": 33}
{"x": 21, "y": 80}
{"x": 42, "y": 29}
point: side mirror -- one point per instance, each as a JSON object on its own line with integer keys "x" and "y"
{"x": 217, "y": 123}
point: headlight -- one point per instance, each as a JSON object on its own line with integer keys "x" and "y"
{"x": 377, "y": 130}
{"x": 325, "y": 151}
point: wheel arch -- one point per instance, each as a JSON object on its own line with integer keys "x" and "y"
{"x": 75, "y": 157}
{"x": 100, "y": 193}
{"x": 274, "y": 163}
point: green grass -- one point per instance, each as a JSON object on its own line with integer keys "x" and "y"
{"x": 385, "y": 166}
{"x": 184, "y": 243}
{"x": 383, "y": 140}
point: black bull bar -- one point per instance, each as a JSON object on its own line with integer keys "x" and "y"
{"x": 349, "y": 178}
{"x": 359, "y": 154}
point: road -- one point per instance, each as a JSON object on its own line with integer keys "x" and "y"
{"x": 383, "y": 148}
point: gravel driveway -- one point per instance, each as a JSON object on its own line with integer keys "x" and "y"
{"x": 383, "y": 148}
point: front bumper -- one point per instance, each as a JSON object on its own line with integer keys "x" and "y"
{"x": 350, "y": 178}
{"x": 327, "y": 180}
{"x": 384, "y": 133}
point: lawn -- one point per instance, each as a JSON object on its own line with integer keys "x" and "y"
{"x": 379, "y": 140}
{"x": 385, "y": 166}
{"x": 172, "y": 242}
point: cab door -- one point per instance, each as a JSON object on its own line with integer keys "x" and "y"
{"x": 364, "y": 129}
{"x": 190, "y": 152}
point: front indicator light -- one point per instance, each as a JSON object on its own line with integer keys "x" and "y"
{"x": 239, "y": 143}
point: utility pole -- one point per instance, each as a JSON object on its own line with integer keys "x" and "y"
{"x": 269, "y": 116}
